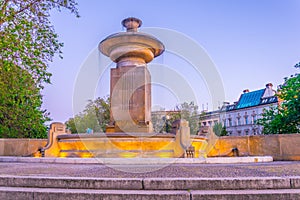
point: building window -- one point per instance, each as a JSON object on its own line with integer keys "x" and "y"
{"x": 246, "y": 120}
{"x": 254, "y": 118}
{"x": 209, "y": 123}
{"x": 239, "y": 133}
{"x": 229, "y": 122}
{"x": 239, "y": 121}
{"x": 246, "y": 132}
{"x": 254, "y": 131}
{"x": 257, "y": 132}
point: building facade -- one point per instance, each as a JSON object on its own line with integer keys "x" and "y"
{"x": 240, "y": 117}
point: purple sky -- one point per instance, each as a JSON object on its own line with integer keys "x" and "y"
{"x": 250, "y": 42}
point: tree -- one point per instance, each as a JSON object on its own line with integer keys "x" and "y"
{"x": 71, "y": 125}
{"x": 20, "y": 113}
{"x": 28, "y": 43}
{"x": 162, "y": 120}
{"x": 284, "y": 118}
{"x": 95, "y": 116}
{"x": 189, "y": 112}
{"x": 219, "y": 129}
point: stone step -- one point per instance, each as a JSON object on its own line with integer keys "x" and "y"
{"x": 22, "y": 193}
{"x": 282, "y": 194}
{"x": 72, "y": 182}
{"x": 241, "y": 183}
{"x": 258, "y": 183}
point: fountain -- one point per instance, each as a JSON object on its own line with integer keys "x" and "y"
{"x": 130, "y": 132}
{"x": 130, "y": 88}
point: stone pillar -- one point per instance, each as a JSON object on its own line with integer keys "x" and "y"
{"x": 130, "y": 92}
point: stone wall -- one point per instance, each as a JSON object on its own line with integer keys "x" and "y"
{"x": 280, "y": 147}
{"x": 20, "y": 147}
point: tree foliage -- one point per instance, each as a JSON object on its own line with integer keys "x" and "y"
{"x": 189, "y": 112}
{"x": 285, "y": 118}
{"x": 28, "y": 43}
{"x": 28, "y": 39}
{"x": 162, "y": 120}
{"x": 20, "y": 114}
{"x": 219, "y": 129}
{"x": 95, "y": 116}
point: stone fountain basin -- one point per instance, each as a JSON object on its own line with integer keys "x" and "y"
{"x": 124, "y": 145}
{"x": 133, "y": 44}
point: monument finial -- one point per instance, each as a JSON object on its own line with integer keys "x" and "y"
{"x": 132, "y": 24}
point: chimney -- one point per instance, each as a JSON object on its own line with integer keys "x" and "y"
{"x": 269, "y": 85}
{"x": 246, "y": 91}
{"x": 225, "y": 103}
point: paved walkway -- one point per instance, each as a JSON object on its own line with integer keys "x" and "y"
{"x": 278, "y": 169}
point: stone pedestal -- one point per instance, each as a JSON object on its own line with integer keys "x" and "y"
{"x": 130, "y": 92}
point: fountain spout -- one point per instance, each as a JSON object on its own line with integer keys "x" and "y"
{"x": 132, "y": 24}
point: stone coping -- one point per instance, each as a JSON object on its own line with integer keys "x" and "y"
{"x": 123, "y": 135}
{"x": 115, "y": 135}
{"x": 140, "y": 161}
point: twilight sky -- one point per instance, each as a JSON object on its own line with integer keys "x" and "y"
{"x": 250, "y": 42}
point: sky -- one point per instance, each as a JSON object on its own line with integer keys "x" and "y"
{"x": 250, "y": 43}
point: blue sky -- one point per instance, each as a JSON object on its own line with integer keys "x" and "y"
{"x": 251, "y": 42}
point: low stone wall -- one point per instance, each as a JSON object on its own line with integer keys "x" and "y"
{"x": 280, "y": 147}
{"x": 20, "y": 147}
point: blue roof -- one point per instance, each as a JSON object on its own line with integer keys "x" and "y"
{"x": 250, "y": 99}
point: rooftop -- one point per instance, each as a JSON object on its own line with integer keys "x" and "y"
{"x": 254, "y": 98}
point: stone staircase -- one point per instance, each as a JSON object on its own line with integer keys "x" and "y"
{"x": 37, "y": 187}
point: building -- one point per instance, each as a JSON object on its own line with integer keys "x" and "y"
{"x": 240, "y": 117}
{"x": 207, "y": 120}
{"x": 162, "y": 120}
